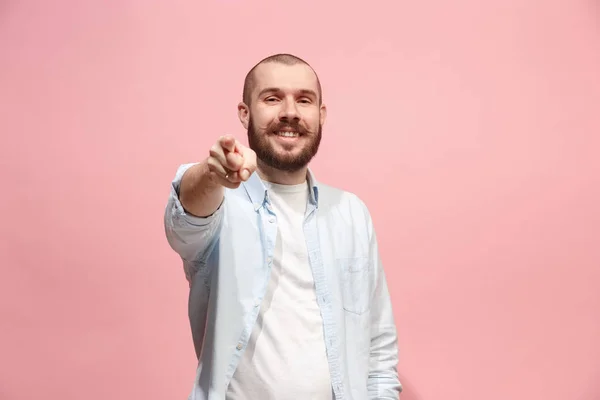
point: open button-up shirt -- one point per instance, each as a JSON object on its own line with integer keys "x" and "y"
{"x": 227, "y": 260}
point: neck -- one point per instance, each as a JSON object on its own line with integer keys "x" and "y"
{"x": 280, "y": 177}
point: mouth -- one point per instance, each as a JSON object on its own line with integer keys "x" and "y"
{"x": 287, "y": 137}
{"x": 287, "y": 134}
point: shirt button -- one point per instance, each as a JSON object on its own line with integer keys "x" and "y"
{"x": 269, "y": 260}
{"x": 239, "y": 346}
{"x": 271, "y": 219}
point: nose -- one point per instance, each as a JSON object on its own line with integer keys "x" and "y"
{"x": 289, "y": 112}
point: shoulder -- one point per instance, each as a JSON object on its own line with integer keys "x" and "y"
{"x": 333, "y": 194}
{"x": 345, "y": 202}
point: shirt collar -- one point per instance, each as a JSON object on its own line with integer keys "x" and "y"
{"x": 257, "y": 192}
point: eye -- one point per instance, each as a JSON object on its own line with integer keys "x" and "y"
{"x": 270, "y": 99}
{"x": 305, "y": 101}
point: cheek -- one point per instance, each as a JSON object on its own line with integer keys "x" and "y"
{"x": 262, "y": 127}
{"x": 314, "y": 121}
{"x": 312, "y": 116}
{"x": 262, "y": 120}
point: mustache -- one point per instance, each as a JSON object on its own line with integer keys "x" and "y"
{"x": 287, "y": 125}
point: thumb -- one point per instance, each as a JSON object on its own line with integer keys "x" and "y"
{"x": 249, "y": 165}
{"x": 244, "y": 174}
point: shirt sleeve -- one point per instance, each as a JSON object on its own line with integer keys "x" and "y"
{"x": 190, "y": 236}
{"x": 383, "y": 381}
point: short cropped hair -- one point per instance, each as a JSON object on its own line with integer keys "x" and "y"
{"x": 282, "y": 58}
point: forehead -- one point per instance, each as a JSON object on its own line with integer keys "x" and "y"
{"x": 285, "y": 77}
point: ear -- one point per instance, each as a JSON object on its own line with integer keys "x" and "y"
{"x": 244, "y": 114}
{"x": 323, "y": 114}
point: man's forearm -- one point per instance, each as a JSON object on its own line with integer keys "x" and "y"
{"x": 199, "y": 194}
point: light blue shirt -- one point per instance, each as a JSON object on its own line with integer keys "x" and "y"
{"x": 227, "y": 260}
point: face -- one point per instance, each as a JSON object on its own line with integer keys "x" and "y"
{"x": 284, "y": 119}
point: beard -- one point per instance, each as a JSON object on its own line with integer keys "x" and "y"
{"x": 266, "y": 152}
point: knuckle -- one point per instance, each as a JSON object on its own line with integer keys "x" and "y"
{"x": 211, "y": 161}
{"x": 214, "y": 165}
{"x": 214, "y": 150}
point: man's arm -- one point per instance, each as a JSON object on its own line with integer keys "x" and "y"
{"x": 194, "y": 211}
{"x": 383, "y": 381}
{"x": 200, "y": 194}
{"x": 202, "y": 185}
{"x": 189, "y": 235}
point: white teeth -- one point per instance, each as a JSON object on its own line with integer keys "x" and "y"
{"x": 288, "y": 134}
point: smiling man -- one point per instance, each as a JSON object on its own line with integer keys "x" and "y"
{"x": 288, "y": 297}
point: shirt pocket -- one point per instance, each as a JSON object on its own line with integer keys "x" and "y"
{"x": 355, "y": 284}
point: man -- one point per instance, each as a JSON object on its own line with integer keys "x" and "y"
{"x": 288, "y": 297}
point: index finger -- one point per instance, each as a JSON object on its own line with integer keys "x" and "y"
{"x": 227, "y": 142}
{"x": 239, "y": 147}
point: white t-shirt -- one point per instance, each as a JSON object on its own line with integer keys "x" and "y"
{"x": 285, "y": 358}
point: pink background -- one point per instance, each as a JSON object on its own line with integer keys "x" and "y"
{"x": 470, "y": 129}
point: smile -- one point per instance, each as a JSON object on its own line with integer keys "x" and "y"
{"x": 287, "y": 134}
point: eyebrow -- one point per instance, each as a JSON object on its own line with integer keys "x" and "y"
{"x": 274, "y": 89}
